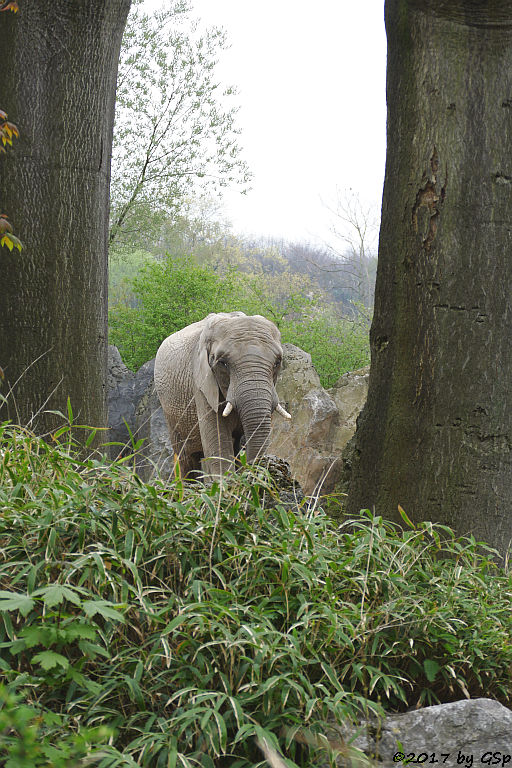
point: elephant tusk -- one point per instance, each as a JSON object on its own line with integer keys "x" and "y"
{"x": 282, "y": 411}
{"x": 227, "y": 410}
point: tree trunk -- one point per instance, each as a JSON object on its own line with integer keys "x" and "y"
{"x": 59, "y": 68}
{"x": 436, "y": 433}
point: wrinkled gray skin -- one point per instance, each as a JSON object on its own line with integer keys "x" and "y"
{"x": 225, "y": 358}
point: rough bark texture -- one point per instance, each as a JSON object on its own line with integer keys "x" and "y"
{"x": 436, "y": 433}
{"x": 59, "y": 68}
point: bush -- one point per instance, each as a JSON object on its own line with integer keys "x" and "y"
{"x": 336, "y": 345}
{"x": 171, "y": 294}
{"x": 186, "y": 622}
{"x": 123, "y": 266}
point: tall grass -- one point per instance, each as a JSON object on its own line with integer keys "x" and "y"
{"x": 155, "y": 625}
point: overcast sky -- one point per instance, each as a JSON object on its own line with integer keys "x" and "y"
{"x": 311, "y": 82}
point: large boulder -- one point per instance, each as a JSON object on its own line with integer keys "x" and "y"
{"x": 156, "y": 455}
{"x": 312, "y": 442}
{"x": 349, "y": 393}
{"x": 125, "y": 389}
{"x": 463, "y": 733}
{"x": 322, "y": 423}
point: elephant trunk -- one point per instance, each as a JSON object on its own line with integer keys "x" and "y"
{"x": 257, "y": 435}
{"x": 255, "y": 401}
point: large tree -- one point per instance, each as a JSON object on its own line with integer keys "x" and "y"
{"x": 436, "y": 433}
{"x": 59, "y": 66}
{"x": 175, "y": 131}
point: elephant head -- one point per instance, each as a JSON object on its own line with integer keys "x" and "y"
{"x": 236, "y": 366}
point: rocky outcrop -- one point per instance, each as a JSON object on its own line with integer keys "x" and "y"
{"x": 463, "y": 733}
{"x": 312, "y": 442}
{"x": 323, "y": 421}
{"x": 156, "y": 454}
{"x": 125, "y": 390}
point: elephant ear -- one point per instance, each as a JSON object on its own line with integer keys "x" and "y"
{"x": 204, "y": 378}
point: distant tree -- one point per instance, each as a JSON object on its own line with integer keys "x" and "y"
{"x": 324, "y": 269}
{"x": 436, "y": 433}
{"x": 280, "y": 296}
{"x": 59, "y": 65}
{"x": 355, "y": 230}
{"x": 124, "y": 266}
{"x": 173, "y": 133}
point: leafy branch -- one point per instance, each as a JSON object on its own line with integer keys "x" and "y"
{"x": 174, "y": 135}
{"x": 8, "y": 131}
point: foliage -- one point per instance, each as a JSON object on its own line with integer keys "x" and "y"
{"x": 173, "y": 133}
{"x": 277, "y": 296}
{"x": 124, "y": 264}
{"x": 336, "y": 345}
{"x": 6, "y": 234}
{"x": 187, "y": 621}
{"x": 167, "y": 295}
{"x": 173, "y": 293}
{"x": 8, "y": 131}
{"x": 9, "y": 5}
{"x": 34, "y": 737}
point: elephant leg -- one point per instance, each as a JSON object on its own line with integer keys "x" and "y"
{"x": 217, "y": 442}
{"x": 188, "y": 458}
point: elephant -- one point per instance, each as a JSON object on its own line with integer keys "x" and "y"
{"x": 215, "y": 380}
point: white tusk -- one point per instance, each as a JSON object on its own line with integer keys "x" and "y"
{"x": 227, "y": 410}
{"x": 282, "y": 412}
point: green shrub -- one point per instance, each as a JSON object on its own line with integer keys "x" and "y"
{"x": 189, "y": 621}
{"x": 336, "y": 345}
{"x": 34, "y": 737}
{"x": 171, "y": 294}
{"x": 123, "y": 266}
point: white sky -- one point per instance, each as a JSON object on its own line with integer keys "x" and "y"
{"x": 311, "y": 82}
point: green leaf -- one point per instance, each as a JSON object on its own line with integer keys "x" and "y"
{"x": 104, "y": 608}
{"x": 81, "y": 630}
{"x": 55, "y": 594}
{"x": 431, "y": 668}
{"x": 92, "y": 649}
{"x": 406, "y": 518}
{"x": 50, "y": 659}
{"x": 14, "y": 601}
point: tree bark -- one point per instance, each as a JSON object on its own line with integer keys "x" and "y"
{"x": 59, "y": 69}
{"x": 436, "y": 433}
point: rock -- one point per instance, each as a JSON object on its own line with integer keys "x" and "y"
{"x": 125, "y": 389}
{"x": 463, "y": 733}
{"x": 117, "y": 371}
{"x": 322, "y": 421}
{"x": 156, "y": 455}
{"x": 349, "y": 393}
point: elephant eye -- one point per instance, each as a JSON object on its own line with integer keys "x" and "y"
{"x": 223, "y": 363}
{"x": 278, "y": 362}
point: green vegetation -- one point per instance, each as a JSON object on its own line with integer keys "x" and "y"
{"x": 146, "y": 625}
{"x": 336, "y": 345}
{"x": 151, "y": 299}
{"x": 175, "y": 132}
{"x": 124, "y": 266}
{"x": 172, "y": 293}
